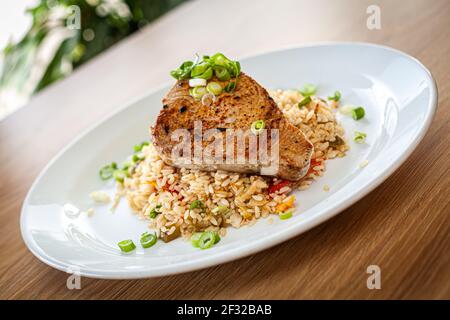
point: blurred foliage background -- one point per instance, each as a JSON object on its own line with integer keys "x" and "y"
{"x": 65, "y": 34}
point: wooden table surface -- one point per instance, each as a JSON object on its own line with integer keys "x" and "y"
{"x": 403, "y": 226}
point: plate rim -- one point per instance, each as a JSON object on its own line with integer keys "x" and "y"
{"x": 243, "y": 251}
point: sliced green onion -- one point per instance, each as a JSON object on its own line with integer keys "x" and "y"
{"x": 360, "y": 137}
{"x": 126, "y": 245}
{"x": 304, "y": 102}
{"x": 358, "y": 113}
{"x": 155, "y": 211}
{"x": 207, "y": 240}
{"x": 214, "y": 87}
{"x": 221, "y": 210}
{"x": 219, "y": 59}
{"x": 222, "y": 73}
{"x": 139, "y": 147}
{"x": 120, "y": 175}
{"x": 199, "y": 69}
{"x": 286, "y": 215}
{"x": 198, "y": 92}
{"x": 217, "y": 239}
{"x": 218, "y": 64}
{"x": 148, "y": 239}
{"x": 258, "y": 127}
{"x": 196, "y": 204}
{"x": 106, "y": 172}
{"x": 206, "y": 74}
{"x": 336, "y": 97}
{"x": 197, "y": 82}
{"x": 127, "y": 164}
{"x": 308, "y": 90}
{"x": 112, "y": 171}
{"x": 195, "y": 238}
{"x": 347, "y": 109}
{"x": 204, "y": 240}
{"x": 184, "y": 71}
{"x": 230, "y": 86}
{"x": 236, "y": 68}
{"x": 138, "y": 157}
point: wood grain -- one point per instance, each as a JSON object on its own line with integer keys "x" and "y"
{"x": 403, "y": 226}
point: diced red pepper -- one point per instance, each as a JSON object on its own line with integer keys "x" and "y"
{"x": 276, "y": 187}
{"x": 314, "y": 163}
{"x": 167, "y": 188}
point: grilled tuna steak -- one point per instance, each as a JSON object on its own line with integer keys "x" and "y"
{"x": 236, "y": 110}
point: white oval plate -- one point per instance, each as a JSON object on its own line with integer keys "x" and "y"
{"x": 399, "y": 96}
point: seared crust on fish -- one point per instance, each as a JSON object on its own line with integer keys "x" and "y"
{"x": 237, "y": 110}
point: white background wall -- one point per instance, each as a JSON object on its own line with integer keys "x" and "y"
{"x": 14, "y": 22}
